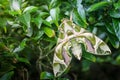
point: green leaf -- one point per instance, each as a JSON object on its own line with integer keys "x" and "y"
{"x": 85, "y": 65}
{"x": 21, "y": 46}
{"x": 49, "y": 32}
{"x": 115, "y": 14}
{"x": 110, "y": 28}
{"x": 98, "y": 5}
{"x": 116, "y": 25}
{"x": 30, "y": 9}
{"x": 46, "y": 23}
{"x": 118, "y": 59}
{"x": 38, "y": 21}
{"x": 54, "y": 3}
{"x": 78, "y": 20}
{"x": 44, "y": 14}
{"x": 89, "y": 56}
{"x": 114, "y": 41}
{"x": 23, "y": 60}
{"x": 25, "y": 19}
{"x": 49, "y": 19}
{"x": 46, "y": 75}
{"x": 117, "y": 5}
{"x": 7, "y": 76}
{"x": 54, "y": 12}
{"x": 15, "y": 5}
{"x": 81, "y": 11}
{"x": 39, "y": 35}
{"x": 3, "y": 22}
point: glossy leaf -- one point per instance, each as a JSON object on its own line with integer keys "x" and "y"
{"x": 89, "y": 56}
{"x": 55, "y": 15}
{"x": 116, "y": 25}
{"x": 81, "y": 11}
{"x": 78, "y": 20}
{"x": 30, "y": 9}
{"x": 110, "y": 28}
{"x": 39, "y": 35}
{"x": 43, "y": 14}
{"x": 54, "y": 3}
{"x": 115, "y": 14}
{"x": 49, "y": 32}
{"x": 70, "y": 43}
{"x": 98, "y": 5}
{"x": 46, "y": 23}
{"x": 21, "y": 46}
{"x": 38, "y": 21}
{"x": 25, "y": 19}
{"x": 46, "y": 75}
{"x": 15, "y": 5}
{"x": 114, "y": 41}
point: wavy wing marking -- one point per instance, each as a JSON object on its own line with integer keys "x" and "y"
{"x": 70, "y": 39}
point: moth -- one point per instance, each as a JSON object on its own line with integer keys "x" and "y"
{"x": 71, "y": 36}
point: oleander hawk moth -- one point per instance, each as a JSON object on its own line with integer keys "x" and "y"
{"x": 70, "y": 38}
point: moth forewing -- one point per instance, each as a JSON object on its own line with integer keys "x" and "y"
{"x": 71, "y": 37}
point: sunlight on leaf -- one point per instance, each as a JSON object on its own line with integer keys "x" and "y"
{"x": 30, "y": 9}
{"x": 49, "y": 32}
{"x": 77, "y": 13}
{"x": 81, "y": 10}
{"x": 98, "y": 6}
{"x": 55, "y": 15}
{"x": 15, "y": 6}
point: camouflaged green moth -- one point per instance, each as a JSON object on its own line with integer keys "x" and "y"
{"x": 70, "y": 38}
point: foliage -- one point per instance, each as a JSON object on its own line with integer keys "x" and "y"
{"x": 29, "y": 31}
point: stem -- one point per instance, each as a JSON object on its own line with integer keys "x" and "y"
{"x": 46, "y": 54}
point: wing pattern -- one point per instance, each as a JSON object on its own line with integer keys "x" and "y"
{"x": 69, "y": 43}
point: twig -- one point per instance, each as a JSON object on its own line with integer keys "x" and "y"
{"x": 46, "y": 54}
